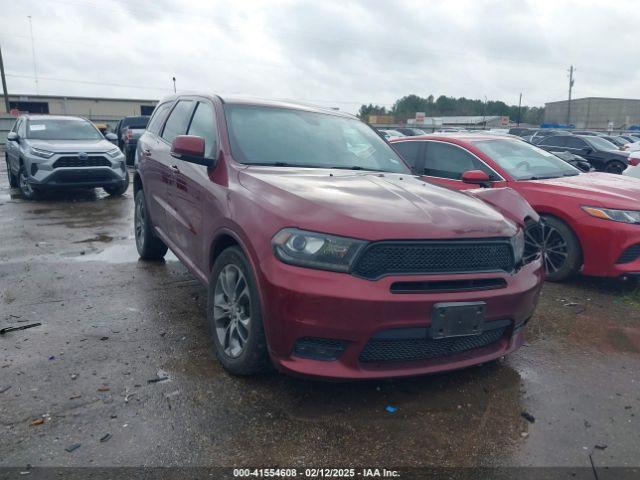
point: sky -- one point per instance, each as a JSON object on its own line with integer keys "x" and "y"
{"x": 334, "y": 53}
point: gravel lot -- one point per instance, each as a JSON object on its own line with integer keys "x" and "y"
{"x": 111, "y": 324}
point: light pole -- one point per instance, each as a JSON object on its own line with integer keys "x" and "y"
{"x": 174, "y": 84}
{"x": 4, "y": 83}
{"x": 33, "y": 52}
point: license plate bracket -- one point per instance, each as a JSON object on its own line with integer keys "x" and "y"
{"x": 457, "y": 319}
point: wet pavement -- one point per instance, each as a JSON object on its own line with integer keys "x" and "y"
{"x": 112, "y": 325}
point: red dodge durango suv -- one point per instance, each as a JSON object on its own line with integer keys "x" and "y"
{"x": 320, "y": 250}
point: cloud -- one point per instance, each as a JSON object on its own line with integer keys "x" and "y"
{"x": 338, "y": 53}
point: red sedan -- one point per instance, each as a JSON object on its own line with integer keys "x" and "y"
{"x": 591, "y": 221}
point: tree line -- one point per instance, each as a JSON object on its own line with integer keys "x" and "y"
{"x": 443, "y": 106}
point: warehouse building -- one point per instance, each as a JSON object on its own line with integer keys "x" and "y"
{"x": 596, "y": 113}
{"x": 105, "y": 110}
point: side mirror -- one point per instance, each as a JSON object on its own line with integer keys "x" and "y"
{"x": 190, "y": 148}
{"x": 476, "y": 177}
{"x": 12, "y": 137}
{"x": 112, "y": 137}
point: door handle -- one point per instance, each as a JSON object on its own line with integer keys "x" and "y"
{"x": 146, "y": 152}
{"x": 174, "y": 169}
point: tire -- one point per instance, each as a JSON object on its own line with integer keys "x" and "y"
{"x": 559, "y": 245}
{"x": 119, "y": 190}
{"x": 234, "y": 315}
{"x": 27, "y": 191}
{"x": 615, "y": 166}
{"x": 128, "y": 157}
{"x": 13, "y": 179}
{"x": 149, "y": 246}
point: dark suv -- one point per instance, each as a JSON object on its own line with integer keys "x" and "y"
{"x": 321, "y": 251}
{"x": 129, "y": 130}
{"x": 603, "y": 155}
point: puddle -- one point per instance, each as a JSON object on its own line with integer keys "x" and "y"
{"x": 101, "y": 237}
{"x": 121, "y": 253}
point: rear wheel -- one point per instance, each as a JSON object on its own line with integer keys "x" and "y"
{"x": 149, "y": 246}
{"x": 559, "y": 247}
{"x": 27, "y": 191}
{"x": 615, "y": 166}
{"x": 13, "y": 179}
{"x": 235, "y": 315}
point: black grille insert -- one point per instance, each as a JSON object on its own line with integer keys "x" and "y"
{"x": 418, "y": 346}
{"x": 314, "y": 348}
{"x": 448, "y": 285}
{"x": 631, "y": 254}
{"x": 83, "y": 176}
{"x": 431, "y": 257}
{"x": 75, "y": 161}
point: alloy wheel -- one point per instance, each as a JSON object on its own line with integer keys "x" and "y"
{"x": 232, "y": 310}
{"x": 550, "y": 243}
{"x": 139, "y": 220}
{"x": 25, "y": 186}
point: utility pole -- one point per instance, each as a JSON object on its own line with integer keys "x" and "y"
{"x": 4, "y": 84}
{"x": 571, "y": 81}
{"x": 33, "y": 52}
{"x": 519, "y": 107}
{"x": 174, "y": 84}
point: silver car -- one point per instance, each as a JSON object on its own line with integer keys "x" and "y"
{"x": 47, "y": 151}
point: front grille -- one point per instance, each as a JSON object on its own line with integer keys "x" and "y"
{"x": 91, "y": 161}
{"x": 630, "y": 254}
{"x": 422, "y": 347}
{"x": 429, "y": 257}
{"x": 82, "y": 176}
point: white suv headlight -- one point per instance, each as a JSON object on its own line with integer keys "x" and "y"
{"x": 38, "y": 152}
{"x": 114, "y": 153}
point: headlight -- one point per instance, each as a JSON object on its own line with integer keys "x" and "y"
{"x": 517, "y": 242}
{"x": 40, "y": 153}
{"x": 114, "y": 153}
{"x": 625, "y": 216}
{"x": 316, "y": 250}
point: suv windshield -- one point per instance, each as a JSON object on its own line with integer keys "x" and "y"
{"x": 287, "y": 137}
{"x": 524, "y": 161}
{"x": 601, "y": 143}
{"x": 62, "y": 129}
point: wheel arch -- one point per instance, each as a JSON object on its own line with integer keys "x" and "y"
{"x": 137, "y": 183}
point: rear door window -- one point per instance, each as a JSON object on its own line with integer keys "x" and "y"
{"x": 450, "y": 161}
{"x": 178, "y": 120}
{"x": 554, "y": 141}
{"x": 575, "y": 142}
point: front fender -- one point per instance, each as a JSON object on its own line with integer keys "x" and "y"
{"x": 508, "y": 202}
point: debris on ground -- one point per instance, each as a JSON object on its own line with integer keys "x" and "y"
{"x": 105, "y": 438}
{"x": 103, "y": 389}
{"x": 161, "y": 376}
{"x": 37, "y": 421}
{"x": 104, "y": 338}
{"x": 527, "y": 416}
{"x": 73, "y": 447}
{"x": 75, "y": 397}
{"x": 74, "y": 376}
{"x": 391, "y": 409}
{"x": 601, "y": 447}
{"x": 4, "y": 389}
{"x": 19, "y": 327}
{"x": 52, "y": 357}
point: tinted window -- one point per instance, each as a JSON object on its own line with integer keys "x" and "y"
{"x": 409, "y": 151}
{"x": 178, "y": 120}
{"x": 555, "y": 141}
{"x": 291, "y": 137}
{"x": 575, "y": 142}
{"x": 601, "y": 144}
{"x": 450, "y": 161}
{"x": 158, "y": 117}
{"x": 62, "y": 129}
{"x": 203, "y": 125}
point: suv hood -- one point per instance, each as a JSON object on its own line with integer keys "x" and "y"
{"x": 71, "y": 146}
{"x": 372, "y": 206}
{"x": 595, "y": 188}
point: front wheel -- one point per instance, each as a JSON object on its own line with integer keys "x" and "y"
{"x": 235, "y": 315}
{"x": 615, "y": 166}
{"x": 27, "y": 191}
{"x": 120, "y": 189}
{"x": 149, "y": 246}
{"x": 558, "y": 245}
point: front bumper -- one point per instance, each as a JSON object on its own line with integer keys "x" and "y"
{"x": 47, "y": 173}
{"x": 608, "y": 247}
{"x": 303, "y": 303}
